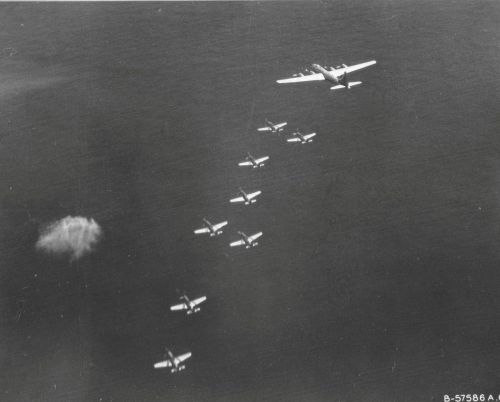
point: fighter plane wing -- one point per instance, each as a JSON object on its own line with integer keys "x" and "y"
{"x": 263, "y": 159}
{"x": 163, "y": 364}
{"x": 280, "y": 125}
{"x": 254, "y": 237}
{"x": 178, "y": 307}
{"x": 183, "y": 357}
{"x": 253, "y": 195}
{"x": 202, "y": 230}
{"x": 303, "y": 78}
{"x": 237, "y": 199}
{"x": 306, "y": 137}
{"x": 245, "y": 163}
{"x": 237, "y": 243}
{"x": 220, "y": 225}
{"x": 197, "y": 301}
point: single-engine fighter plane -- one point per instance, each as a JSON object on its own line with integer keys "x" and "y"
{"x": 214, "y": 230}
{"x": 253, "y": 162}
{"x": 301, "y": 138}
{"x": 273, "y": 128}
{"x": 247, "y": 241}
{"x": 248, "y": 199}
{"x": 191, "y": 306}
{"x": 173, "y": 362}
{"x": 336, "y": 75}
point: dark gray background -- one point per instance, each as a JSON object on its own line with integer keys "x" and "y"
{"x": 377, "y": 276}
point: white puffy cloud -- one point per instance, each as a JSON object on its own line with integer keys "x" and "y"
{"x": 75, "y": 236}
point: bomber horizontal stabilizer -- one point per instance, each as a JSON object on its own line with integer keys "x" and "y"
{"x": 351, "y": 84}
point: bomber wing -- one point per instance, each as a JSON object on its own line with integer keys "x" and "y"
{"x": 355, "y": 67}
{"x": 202, "y": 230}
{"x": 303, "y": 78}
{"x": 245, "y": 163}
{"x": 306, "y": 137}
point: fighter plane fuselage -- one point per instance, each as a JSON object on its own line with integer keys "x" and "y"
{"x": 244, "y": 238}
{"x": 254, "y": 162}
{"x": 209, "y": 226}
{"x": 297, "y": 133}
{"x": 171, "y": 357}
{"x": 174, "y": 361}
{"x": 189, "y": 306}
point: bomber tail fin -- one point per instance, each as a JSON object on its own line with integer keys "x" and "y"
{"x": 344, "y": 80}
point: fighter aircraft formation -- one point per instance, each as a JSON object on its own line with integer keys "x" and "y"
{"x": 337, "y": 76}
